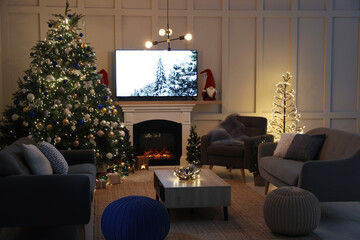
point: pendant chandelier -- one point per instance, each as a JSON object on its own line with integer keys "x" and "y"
{"x": 167, "y": 32}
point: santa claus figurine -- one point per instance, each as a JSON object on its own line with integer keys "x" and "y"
{"x": 209, "y": 91}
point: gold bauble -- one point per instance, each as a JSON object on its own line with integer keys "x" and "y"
{"x": 91, "y": 109}
{"x": 76, "y": 143}
{"x": 57, "y": 139}
{"x": 39, "y": 125}
{"x": 25, "y": 109}
{"x": 71, "y": 72}
{"x": 74, "y": 95}
{"x": 49, "y": 127}
{"x": 100, "y": 133}
{"x": 103, "y": 123}
{"x": 83, "y": 45}
{"x": 114, "y": 111}
{"x": 111, "y": 134}
{"x": 73, "y": 122}
{"x": 25, "y": 124}
{"x": 103, "y": 110}
{"x": 66, "y": 122}
{"x": 97, "y": 154}
{"x": 91, "y": 137}
{"x": 77, "y": 85}
{"x": 110, "y": 100}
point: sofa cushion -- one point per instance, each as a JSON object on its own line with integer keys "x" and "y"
{"x": 56, "y": 159}
{"x": 88, "y": 169}
{"x": 36, "y": 160}
{"x": 287, "y": 171}
{"x": 12, "y": 162}
{"x": 226, "y": 150}
{"x": 219, "y": 134}
{"x": 305, "y": 147}
{"x": 284, "y": 144}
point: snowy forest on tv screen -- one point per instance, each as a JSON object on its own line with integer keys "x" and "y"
{"x": 180, "y": 81}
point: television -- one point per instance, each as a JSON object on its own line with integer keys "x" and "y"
{"x": 156, "y": 75}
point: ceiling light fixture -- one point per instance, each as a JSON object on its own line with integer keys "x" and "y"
{"x": 168, "y": 32}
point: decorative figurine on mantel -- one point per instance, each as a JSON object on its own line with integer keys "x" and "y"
{"x": 209, "y": 91}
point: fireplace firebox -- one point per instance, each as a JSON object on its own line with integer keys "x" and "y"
{"x": 159, "y": 140}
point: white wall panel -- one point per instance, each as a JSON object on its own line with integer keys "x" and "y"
{"x": 100, "y": 4}
{"x": 310, "y": 73}
{"x": 208, "y": 4}
{"x": 310, "y": 123}
{"x": 20, "y": 25}
{"x": 104, "y": 46}
{"x": 276, "y": 57}
{"x": 57, "y": 3}
{"x": 277, "y": 4}
{"x": 173, "y": 4}
{"x": 349, "y": 125}
{"x": 242, "y": 5}
{"x": 136, "y": 30}
{"x": 138, "y": 4}
{"x": 344, "y": 87}
{"x": 23, "y": 3}
{"x": 312, "y": 4}
{"x": 242, "y": 61}
{"x": 346, "y": 4}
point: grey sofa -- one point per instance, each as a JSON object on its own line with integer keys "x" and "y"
{"x": 329, "y": 177}
{"x": 46, "y": 206}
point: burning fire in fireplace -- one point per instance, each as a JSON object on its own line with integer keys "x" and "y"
{"x": 156, "y": 154}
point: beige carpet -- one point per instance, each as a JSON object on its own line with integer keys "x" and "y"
{"x": 245, "y": 213}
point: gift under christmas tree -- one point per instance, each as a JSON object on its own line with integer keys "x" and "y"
{"x": 61, "y": 99}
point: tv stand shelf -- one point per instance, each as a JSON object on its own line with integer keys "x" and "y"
{"x": 200, "y": 102}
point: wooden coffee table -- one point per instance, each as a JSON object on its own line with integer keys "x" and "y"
{"x": 207, "y": 191}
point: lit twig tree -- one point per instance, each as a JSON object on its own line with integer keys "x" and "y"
{"x": 284, "y": 117}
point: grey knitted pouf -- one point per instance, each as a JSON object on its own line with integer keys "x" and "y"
{"x": 291, "y": 211}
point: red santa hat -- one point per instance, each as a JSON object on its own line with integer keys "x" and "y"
{"x": 209, "y": 79}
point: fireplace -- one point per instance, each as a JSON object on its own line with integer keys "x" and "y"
{"x": 158, "y": 140}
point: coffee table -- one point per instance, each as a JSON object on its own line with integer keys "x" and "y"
{"x": 207, "y": 191}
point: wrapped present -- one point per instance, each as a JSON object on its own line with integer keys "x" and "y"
{"x": 113, "y": 178}
{"x": 100, "y": 183}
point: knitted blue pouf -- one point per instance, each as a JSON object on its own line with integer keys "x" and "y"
{"x": 135, "y": 218}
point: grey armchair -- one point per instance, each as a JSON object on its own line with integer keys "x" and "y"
{"x": 231, "y": 143}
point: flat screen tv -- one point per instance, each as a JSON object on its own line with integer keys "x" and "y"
{"x": 156, "y": 75}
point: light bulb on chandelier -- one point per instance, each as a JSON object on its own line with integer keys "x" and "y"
{"x": 167, "y": 32}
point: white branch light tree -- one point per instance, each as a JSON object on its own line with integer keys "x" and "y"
{"x": 284, "y": 117}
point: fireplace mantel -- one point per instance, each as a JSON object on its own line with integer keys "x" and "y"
{"x": 177, "y": 112}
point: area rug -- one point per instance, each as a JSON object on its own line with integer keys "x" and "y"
{"x": 245, "y": 213}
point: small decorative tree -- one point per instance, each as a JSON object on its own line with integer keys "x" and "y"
{"x": 193, "y": 147}
{"x": 284, "y": 117}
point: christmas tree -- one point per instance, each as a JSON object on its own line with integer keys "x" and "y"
{"x": 193, "y": 147}
{"x": 284, "y": 117}
{"x": 61, "y": 99}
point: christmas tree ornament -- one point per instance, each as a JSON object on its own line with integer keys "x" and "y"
{"x": 91, "y": 109}
{"x": 30, "y": 97}
{"x": 25, "y": 124}
{"x": 109, "y": 155}
{"x": 77, "y": 85}
{"x": 83, "y": 45}
{"x": 65, "y": 122}
{"x": 100, "y": 133}
{"x": 74, "y": 96}
{"x": 103, "y": 110}
{"x": 25, "y": 109}
{"x": 76, "y": 143}
{"x": 49, "y": 127}
{"x": 73, "y": 122}
{"x": 111, "y": 134}
{"x": 15, "y": 117}
{"x": 48, "y": 139}
{"x": 103, "y": 123}
{"x": 122, "y": 133}
{"x": 114, "y": 112}
{"x": 97, "y": 154}
{"x": 91, "y": 137}
{"x": 73, "y": 127}
{"x": 57, "y": 140}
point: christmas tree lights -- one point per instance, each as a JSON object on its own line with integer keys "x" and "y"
{"x": 61, "y": 99}
{"x": 193, "y": 147}
{"x": 284, "y": 117}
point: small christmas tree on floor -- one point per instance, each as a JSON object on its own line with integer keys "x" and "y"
{"x": 61, "y": 99}
{"x": 284, "y": 117}
{"x": 193, "y": 147}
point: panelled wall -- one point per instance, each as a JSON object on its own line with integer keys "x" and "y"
{"x": 248, "y": 44}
